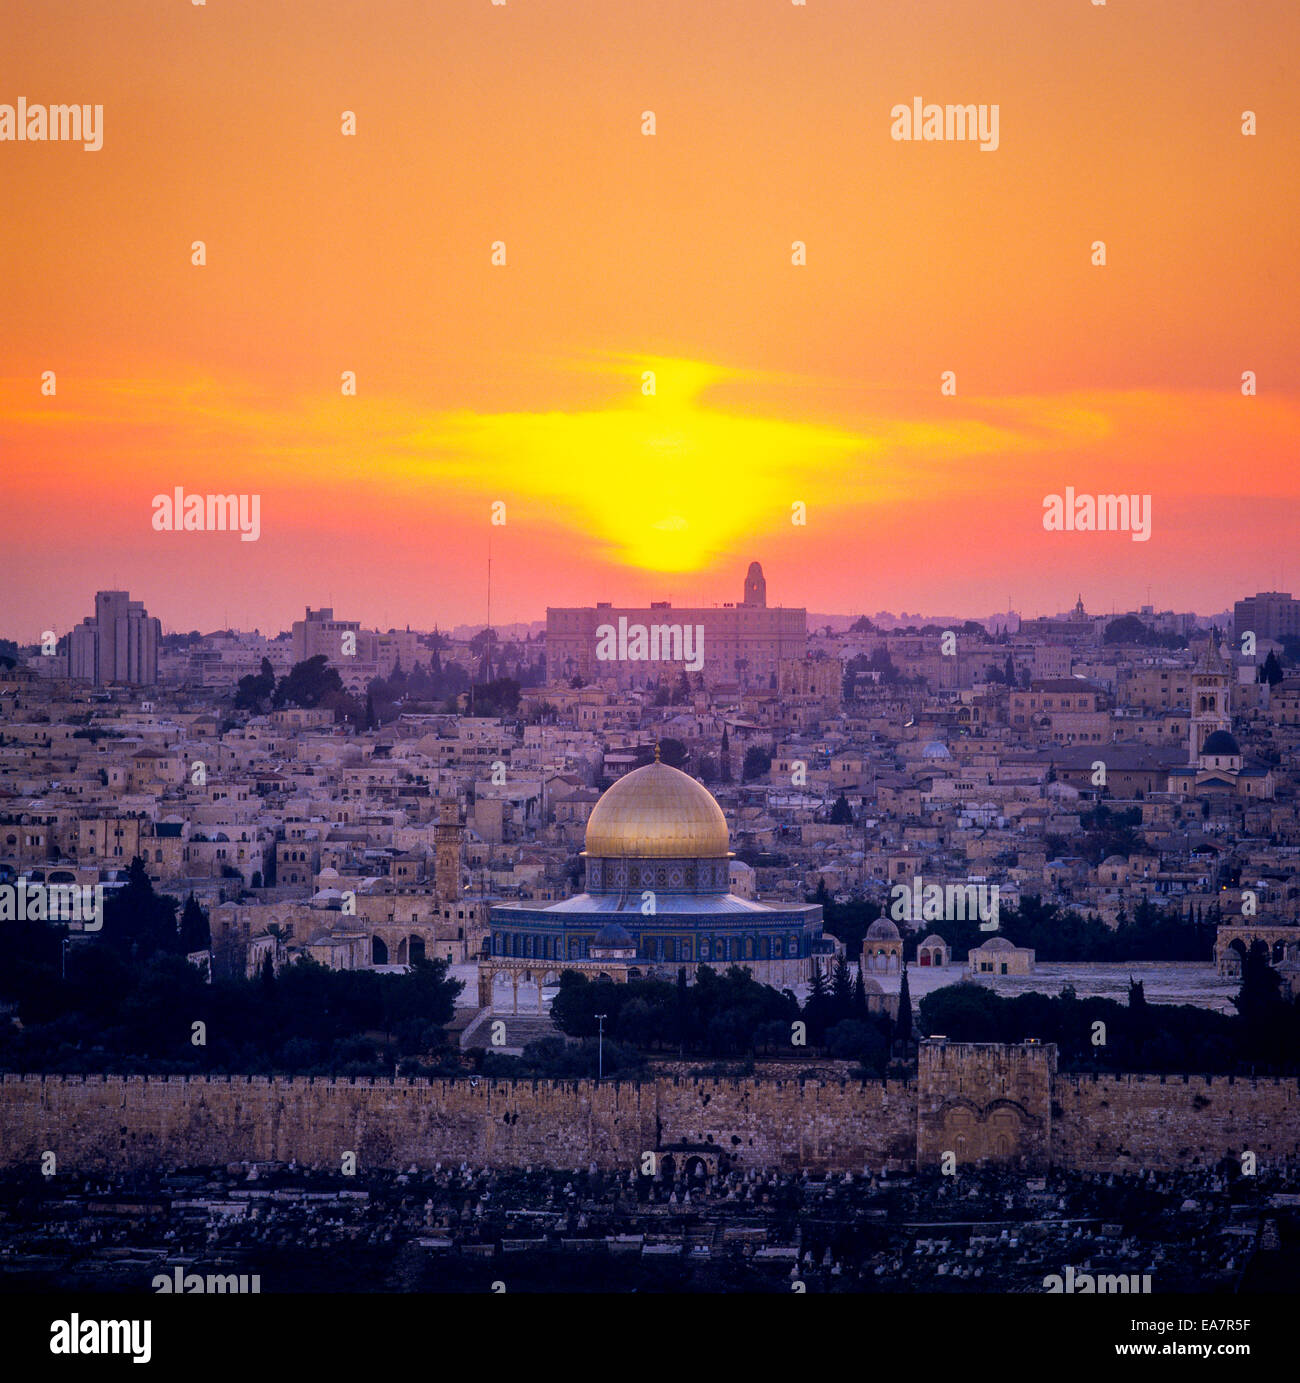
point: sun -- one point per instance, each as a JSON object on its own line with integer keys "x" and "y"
{"x": 660, "y": 478}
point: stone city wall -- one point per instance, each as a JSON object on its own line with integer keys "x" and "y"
{"x": 982, "y": 1102}
{"x": 138, "y": 1121}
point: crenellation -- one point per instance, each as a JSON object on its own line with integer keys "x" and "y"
{"x": 1002, "y": 1104}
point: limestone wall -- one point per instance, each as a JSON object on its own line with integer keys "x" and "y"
{"x": 977, "y": 1101}
{"x": 137, "y": 1121}
{"x": 1112, "y": 1122}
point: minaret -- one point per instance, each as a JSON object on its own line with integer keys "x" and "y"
{"x": 447, "y": 842}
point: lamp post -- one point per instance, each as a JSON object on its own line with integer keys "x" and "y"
{"x": 600, "y": 1047}
{"x": 63, "y": 957}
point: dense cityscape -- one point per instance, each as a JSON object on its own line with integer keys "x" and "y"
{"x": 341, "y": 853}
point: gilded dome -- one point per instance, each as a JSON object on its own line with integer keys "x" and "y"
{"x": 657, "y": 812}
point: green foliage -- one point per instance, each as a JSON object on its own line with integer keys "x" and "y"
{"x": 253, "y": 690}
{"x": 499, "y": 697}
{"x": 130, "y": 1001}
{"x": 758, "y": 763}
{"x": 1138, "y": 1036}
{"x": 1055, "y": 933}
{"x": 717, "y": 1016}
{"x": 307, "y": 684}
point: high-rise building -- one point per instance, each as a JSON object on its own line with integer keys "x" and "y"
{"x": 1268, "y": 615}
{"x": 118, "y": 643}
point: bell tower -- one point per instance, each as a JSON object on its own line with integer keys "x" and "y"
{"x": 1211, "y": 700}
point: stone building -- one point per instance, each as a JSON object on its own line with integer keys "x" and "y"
{"x": 658, "y": 864}
{"x": 998, "y": 956}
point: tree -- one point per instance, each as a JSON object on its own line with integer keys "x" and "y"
{"x": 1271, "y": 671}
{"x": 1259, "y": 1003}
{"x": 860, "y": 1009}
{"x": 195, "y": 934}
{"x": 816, "y": 1009}
{"x": 308, "y": 683}
{"x": 499, "y": 697}
{"x": 252, "y": 691}
{"x": 671, "y": 752}
{"x": 903, "y": 1023}
{"x": 758, "y": 763}
{"x": 724, "y": 757}
{"x": 841, "y": 988}
{"x": 841, "y": 812}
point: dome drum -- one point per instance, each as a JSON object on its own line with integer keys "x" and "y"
{"x": 663, "y": 876}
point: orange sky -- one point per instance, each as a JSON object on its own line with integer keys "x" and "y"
{"x": 627, "y": 253}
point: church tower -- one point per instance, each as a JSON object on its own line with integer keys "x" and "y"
{"x": 755, "y": 587}
{"x": 447, "y": 842}
{"x": 1211, "y": 699}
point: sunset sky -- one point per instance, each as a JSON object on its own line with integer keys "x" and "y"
{"x": 629, "y": 253}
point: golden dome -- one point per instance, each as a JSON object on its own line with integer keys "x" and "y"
{"x": 657, "y": 812}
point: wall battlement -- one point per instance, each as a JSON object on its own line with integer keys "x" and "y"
{"x": 1005, "y": 1103}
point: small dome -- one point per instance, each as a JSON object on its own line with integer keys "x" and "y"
{"x": 613, "y": 937}
{"x": 997, "y": 943}
{"x": 1112, "y": 861}
{"x": 936, "y": 750}
{"x": 1220, "y": 743}
{"x": 882, "y": 929}
{"x": 870, "y": 986}
{"x": 934, "y": 939}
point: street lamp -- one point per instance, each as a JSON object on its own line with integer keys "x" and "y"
{"x": 63, "y": 957}
{"x": 600, "y": 1046}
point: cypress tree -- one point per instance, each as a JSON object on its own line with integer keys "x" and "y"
{"x": 903, "y": 1024}
{"x": 841, "y": 989}
{"x": 859, "y": 997}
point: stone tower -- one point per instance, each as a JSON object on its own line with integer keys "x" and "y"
{"x": 1211, "y": 700}
{"x": 984, "y": 1102}
{"x": 447, "y": 837}
{"x": 755, "y": 587}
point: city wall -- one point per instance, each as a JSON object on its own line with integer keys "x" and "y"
{"x": 1110, "y": 1123}
{"x": 135, "y": 1121}
{"x": 982, "y": 1106}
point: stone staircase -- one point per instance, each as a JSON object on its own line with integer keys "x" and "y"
{"x": 520, "y": 1029}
